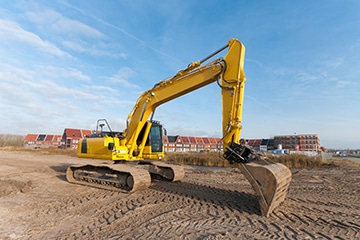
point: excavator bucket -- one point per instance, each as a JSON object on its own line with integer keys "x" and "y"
{"x": 269, "y": 180}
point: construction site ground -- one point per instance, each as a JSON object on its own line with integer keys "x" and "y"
{"x": 36, "y": 202}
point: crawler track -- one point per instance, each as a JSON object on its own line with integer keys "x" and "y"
{"x": 122, "y": 177}
{"x": 111, "y": 177}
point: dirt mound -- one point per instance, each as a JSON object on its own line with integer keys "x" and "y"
{"x": 8, "y": 187}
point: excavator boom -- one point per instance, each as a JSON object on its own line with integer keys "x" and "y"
{"x": 141, "y": 141}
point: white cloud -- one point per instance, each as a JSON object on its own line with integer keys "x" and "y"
{"x": 84, "y": 47}
{"x": 77, "y": 74}
{"x": 123, "y": 31}
{"x": 343, "y": 83}
{"x": 33, "y": 99}
{"x": 63, "y": 73}
{"x": 333, "y": 63}
{"x": 71, "y": 33}
{"x": 12, "y": 31}
{"x": 23, "y": 86}
{"x": 122, "y": 77}
{"x": 48, "y": 89}
{"x": 101, "y": 90}
{"x": 50, "y": 19}
{"x": 306, "y": 77}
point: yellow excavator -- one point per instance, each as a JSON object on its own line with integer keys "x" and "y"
{"x": 140, "y": 145}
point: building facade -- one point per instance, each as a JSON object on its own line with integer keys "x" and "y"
{"x": 300, "y": 142}
{"x": 192, "y": 144}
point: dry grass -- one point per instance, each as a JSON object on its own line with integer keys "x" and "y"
{"x": 297, "y": 160}
{"x": 57, "y": 151}
{"x": 11, "y": 140}
{"x": 47, "y": 151}
{"x": 340, "y": 162}
{"x": 289, "y": 160}
{"x": 206, "y": 159}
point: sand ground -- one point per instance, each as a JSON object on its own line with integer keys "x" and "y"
{"x": 36, "y": 202}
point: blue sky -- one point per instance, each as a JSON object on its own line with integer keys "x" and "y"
{"x": 68, "y": 63}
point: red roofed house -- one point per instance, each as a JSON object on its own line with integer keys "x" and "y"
{"x": 216, "y": 144}
{"x": 206, "y": 142}
{"x": 185, "y": 143}
{"x": 193, "y": 145}
{"x": 71, "y": 137}
{"x": 200, "y": 144}
{"x": 29, "y": 140}
{"x": 42, "y": 140}
{"x": 254, "y": 143}
{"x": 52, "y": 140}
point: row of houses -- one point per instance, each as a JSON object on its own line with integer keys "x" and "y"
{"x": 70, "y": 139}
{"x": 42, "y": 140}
{"x": 192, "y": 144}
{"x": 283, "y": 143}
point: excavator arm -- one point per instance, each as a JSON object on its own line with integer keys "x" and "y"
{"x": 227, "y": 71}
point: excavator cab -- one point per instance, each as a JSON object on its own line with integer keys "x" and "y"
{"x": 155, "y": 138}
{"x": 153, "y": 148}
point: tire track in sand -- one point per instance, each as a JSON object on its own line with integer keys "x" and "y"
{"x": 199, "y": 208}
